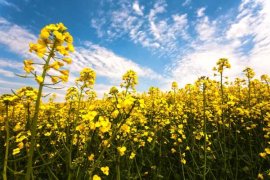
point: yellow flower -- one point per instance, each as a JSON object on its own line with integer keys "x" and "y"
{"x": 96, "y": 177}
{"x": 260, "y": 176}
{"x": 16, "y": 151}
{"x": 221, "y": 64}
{"x": 64, "y": 78}
{"x": 39, "y": 49}
{"x": 20, "y": 145}
{"x": 44, "y": 34}
{"x": 47, "y": 133}
{"x": 56, "y": 65}
{"x": 67, "y": 60}
{"x": 68, "y": 37}
{"x": 105, "y": 170}
{"x": 174, "y": 85}
{"x": 64, "y": 72}
{"x": 28, "y": 66}
{"x": 80, "y": 127}
{"x": 58, "y": 35}
{"x": 17, "y": 127}
{"x": 62, "y": 50}
{"x": 91, "y": 157}
{"x": 263, "y": 155}
{"x": 122, "y": 150}
{"x": 183, "y": 161}
{"x": 125, "y": 128}
{"x": 52, "y": 27}
{"x": 20, "y": 138}
{"x": 54, "y": 79}
{"x": 267, "y": 150}
{"x": 130, "y": 79}
{"x": 39, "y": 79}
{"x": 249, "y": 72}
{"x": 61, "y": 27}
{"x": 115, "y": 114}
{"x": 132, "y": 155}
{"x": 28, "y": 62}
{"x": 70, "y": 47}
{"x": 149, "y": 139}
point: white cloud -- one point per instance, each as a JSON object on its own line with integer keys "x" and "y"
{"x": 6, "y": 73}
{"x": 17, "y": 84}
{"x": 186, "y": 3}
{"x": 98, "y": 26}
{"x": 10, "y": 64}
{"x": 200, "y": 12}
{"x": 242, "y": 27}
{"x": 205, "y": 28}
{"x": 161, "y": 35}
{"x": 159, "y": 7}
{"x": 201, "y": 62}
{"x": 244, "y": 40}
{"x": 9, "y": 4}
{"x": 107, "y": 64}
{"x": 15, "y": 38}
{"x": 136, "y": 7}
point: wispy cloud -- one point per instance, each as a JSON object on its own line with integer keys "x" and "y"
{"x": 186, "y": 3}
{"x": 9, "y": 4}
{"x": 10, "y": 64}
{"x": 137, "y": 8}
{"x": 245, "y": 40}
{"x": 6, "y": 73}
{"x": 107, "y": 64}
{"x": 161, "y": 35}
{"x": 200, "y": 12}
{"x": 15, "y": 38}
{"x": 205, "y": 29}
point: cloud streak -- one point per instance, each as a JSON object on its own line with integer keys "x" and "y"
{"x": 245, "y": 40}
{"x": 159, "y": 35}
{"x": 9, "y": 4}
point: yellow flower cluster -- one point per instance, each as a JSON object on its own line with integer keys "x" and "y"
{"x": 221, "y": 64}
{"x": 130, "y": 79}
{"x": 53, "y": 46}
{"x": 87, "y": 78}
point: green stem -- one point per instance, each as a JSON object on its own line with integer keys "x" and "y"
{"x": 69, "y": 159}
{"x": 118, "y": 174}
{"x": 138, "y": 171}
{"x": 33, "y": 128}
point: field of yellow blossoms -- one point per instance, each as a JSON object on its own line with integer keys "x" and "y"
{"x": 206, "y": 130}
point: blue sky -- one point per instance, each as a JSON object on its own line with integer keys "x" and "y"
{"x": 163, "y": 41}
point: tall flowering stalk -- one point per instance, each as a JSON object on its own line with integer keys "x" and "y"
{"x": 222, "y": 64}
{"x": 130, "y": 79}
{"x": 249, "y": 73}
{"x": 84, "y": 84}
{"x": 53, "y": 47}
